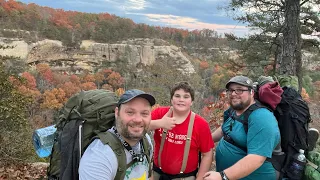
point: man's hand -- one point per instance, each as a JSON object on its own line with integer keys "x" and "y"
{"x": 212, "y": 175}
{"x": 168, "y": 122}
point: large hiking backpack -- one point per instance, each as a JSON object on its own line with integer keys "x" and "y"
{"x": 293, "y": 116}
{"x": 86, "y": 115}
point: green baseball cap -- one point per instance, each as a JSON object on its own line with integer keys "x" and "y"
{"x": 242, "y": 80}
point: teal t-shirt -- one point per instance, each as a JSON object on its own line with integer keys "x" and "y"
{"x": 262, "y": 137}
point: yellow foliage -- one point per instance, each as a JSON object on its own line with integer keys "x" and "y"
{"x": 119, "y": 92}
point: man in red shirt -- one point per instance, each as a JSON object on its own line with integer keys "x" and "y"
{"x": 175, "y": 120}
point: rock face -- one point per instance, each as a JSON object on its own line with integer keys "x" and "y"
{"x": 91, "y": 54}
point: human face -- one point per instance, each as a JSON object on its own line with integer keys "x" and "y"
{"x": 133, "y": 119}
{"x": 181, "y": 101}
{"x": 239, "y": 101}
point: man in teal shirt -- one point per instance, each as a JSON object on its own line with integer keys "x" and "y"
{"x": 241, "y": 155}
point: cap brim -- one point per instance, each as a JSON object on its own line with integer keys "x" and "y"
{"x": 146, "y": 96}
{"x": 242, "y": 84}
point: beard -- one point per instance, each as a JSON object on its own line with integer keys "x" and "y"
{"x": 123, "y": 129}
{"x": 240, "y": 106}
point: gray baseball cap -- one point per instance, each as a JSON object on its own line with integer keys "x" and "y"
{"x": 242, "y": 80}
{"x": 133, "y": 93}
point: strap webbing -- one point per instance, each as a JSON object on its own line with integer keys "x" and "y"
{"x": 164, "y": 134}
{"x": 188, "y": 143}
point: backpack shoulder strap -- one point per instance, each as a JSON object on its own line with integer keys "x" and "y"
{"x": 188, "y": 143}
{"x": 147, "y": 148}
{"x": 227, "y": 114}
{"x": 163, "y": 139}
{"x": 248, "y": 112}
{"x": 117, "y": 147}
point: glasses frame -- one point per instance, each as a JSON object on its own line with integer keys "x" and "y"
{"x": 237, "y": 91}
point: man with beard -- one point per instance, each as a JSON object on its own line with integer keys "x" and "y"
{"x": 133, "y": 116}
{"x": 250, "y": 161}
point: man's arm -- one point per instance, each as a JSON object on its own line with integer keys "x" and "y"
{"x": 205, "y": 164}
{"x": 241, "y": 169}
{"x": 161, "y": 123}
{"x": 245, "y": 166}
{"x": 166, "y": 122}
{"x": 217, "y": 134}
{"x": 98, "y": 162}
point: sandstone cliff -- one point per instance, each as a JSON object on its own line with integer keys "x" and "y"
{"x": 92, "y": 54}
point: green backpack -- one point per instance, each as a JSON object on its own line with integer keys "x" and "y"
{"x": 86, "y": 116}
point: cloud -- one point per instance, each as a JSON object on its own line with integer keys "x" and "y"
{"x": 192, "y": 23}
{"x": 135, "y": 4}
{"x": 186, "y": 14}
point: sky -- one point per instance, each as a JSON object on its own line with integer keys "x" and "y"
{"x": 185, "y": 14}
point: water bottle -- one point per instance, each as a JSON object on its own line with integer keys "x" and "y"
{"x": 43, "y": 140}
{"x": 297, "y": 165}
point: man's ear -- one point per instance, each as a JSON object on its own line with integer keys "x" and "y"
{"x": 116, "y": 111}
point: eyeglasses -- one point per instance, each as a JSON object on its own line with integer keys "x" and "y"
{"x": 238, "y": 91}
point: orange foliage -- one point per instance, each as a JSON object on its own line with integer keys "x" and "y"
{"x": 14, "y": 81}
{"x": 88, "y": 78}
{"x": 119, "y": 92}
{"x": 88, "y": 86}
{"x": 45, "y": 72}
{"x": 75, "y": 79}
{"x": 30, "y": 80}
{"x": 11, "y": 5}
{"x": 53, "y": 99}
{"x": 305, "y": 95}
{"x": 61, "y": 18}
{"x": 105, "y": 16}
{"x": 106, "y": 72}
{"x": 99, "y": 77}
{"x": 70, "y": 89}
{"x": 34, "y": 93}
{"x": 204, "y": 65}
{"x": 59, "y": 79}
{"x": 115, "y": 80}
{"x": 42, "y": 68}
{"x": 213, "y": 111}
{"x": 216, "y": 68}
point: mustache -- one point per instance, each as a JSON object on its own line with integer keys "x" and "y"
{"x": 136, "y": 123}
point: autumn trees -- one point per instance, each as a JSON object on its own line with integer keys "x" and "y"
{"x": 31, "y": 99}
{"x": 71, "y": 27}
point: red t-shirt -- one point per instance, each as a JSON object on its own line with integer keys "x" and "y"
{"x": 172, "y": 153}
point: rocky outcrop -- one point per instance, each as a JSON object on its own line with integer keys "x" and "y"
{"x": 91, "y": 54}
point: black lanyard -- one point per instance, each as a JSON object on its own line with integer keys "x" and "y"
{"x": 135, "y": 156}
